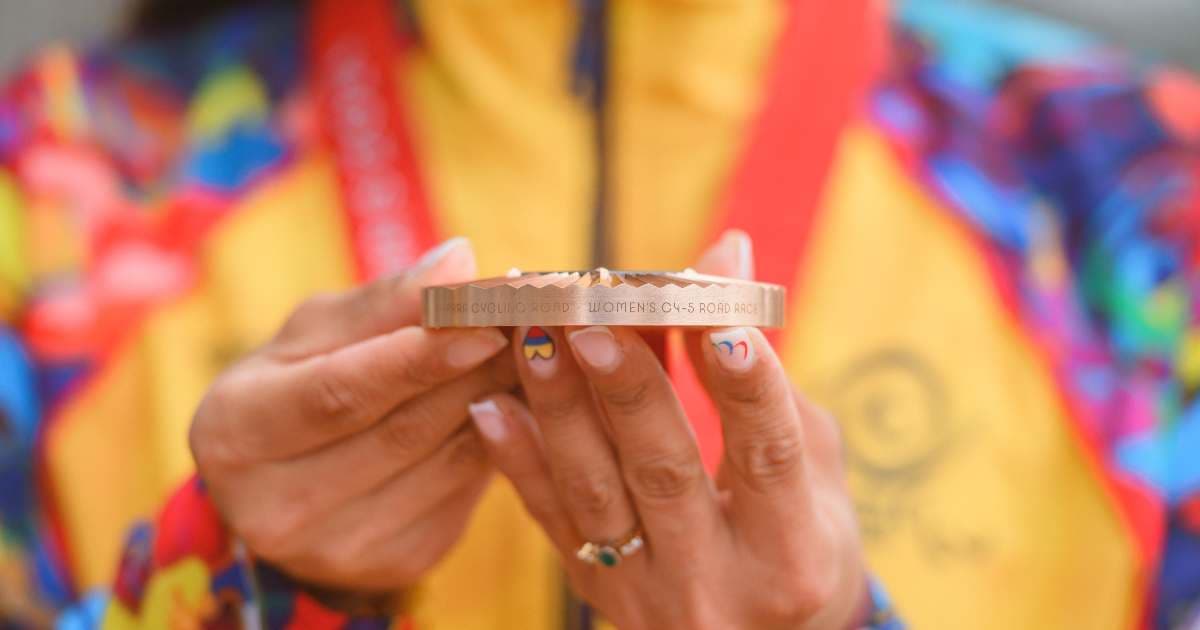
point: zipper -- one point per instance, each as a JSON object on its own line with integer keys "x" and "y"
{"x": 589, "y": 81}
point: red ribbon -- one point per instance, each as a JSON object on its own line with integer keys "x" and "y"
{"x": 820, "y": 68}
{"x": 357, "y": 53}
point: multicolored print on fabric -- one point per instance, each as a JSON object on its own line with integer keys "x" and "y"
{"x": 1081, "y": 168}
{"x": 113, "y": 167}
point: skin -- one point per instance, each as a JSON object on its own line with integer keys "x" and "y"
{"x": 770, "y": 542}
{"x": 340, "y": 451}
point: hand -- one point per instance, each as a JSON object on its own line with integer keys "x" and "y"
{"x": 340, "y": 451}
{"x": 604, "y": 449}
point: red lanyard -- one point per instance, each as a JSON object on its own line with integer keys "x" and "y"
{"x": 821, "y": 68}
{"x": 817, "y": 75}
{"x": 822, "y": 65}
{"x": 357, "y": 53}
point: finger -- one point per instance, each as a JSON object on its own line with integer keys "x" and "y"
{"x": 329, "y": 321}
{"x": 577, "y": 448}
{"x": 514, "y": 447}
{"x": 329, "y": 396}
{"x": 376, "y": 551}
{"x": 413, "y": 551}
{"x": 458, "y": 464}
{"x": 659, "y": 458}
{"x": 731, "y": 256}
{"x": 405, "y": 438}
{"x": 765, "y": 466}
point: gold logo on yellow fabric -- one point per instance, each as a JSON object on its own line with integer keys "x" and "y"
{"x": 899, "y": 427}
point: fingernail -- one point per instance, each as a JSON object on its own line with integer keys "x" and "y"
{"x": 427, "y": 267}
{"x": 489, "y": 420}
{"x": 734, "y": 349}
{"x": 732, "y": 255}
{"x": 474, "y": 348}
{"x": 743, "y": 249}
{"x": 597, "y": 347}
{"x": 541, "y": 355}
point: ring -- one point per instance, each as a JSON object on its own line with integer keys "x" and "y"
{"x": 611, "y": 553}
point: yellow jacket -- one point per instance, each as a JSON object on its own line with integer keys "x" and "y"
{"x": 982, "y": 502}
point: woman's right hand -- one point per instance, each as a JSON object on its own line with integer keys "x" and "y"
{"x": 339, "y": 452}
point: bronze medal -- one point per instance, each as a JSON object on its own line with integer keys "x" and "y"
{"x": 601, "y": 296}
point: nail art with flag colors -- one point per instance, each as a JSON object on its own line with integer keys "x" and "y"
{"x": 733, "y": 347}
{"x": 538, "y": 344}
{"x": 538, "y": 348}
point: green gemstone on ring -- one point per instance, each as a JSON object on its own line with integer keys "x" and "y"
{"x": 608, "y": 556}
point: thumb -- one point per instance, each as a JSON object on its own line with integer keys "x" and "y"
{"x": 329, "y": 321}
{"x": 452, "y": 261}
{"x": 731, "y": 256}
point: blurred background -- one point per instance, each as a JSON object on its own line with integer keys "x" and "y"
{"x": 1169, "y": 29}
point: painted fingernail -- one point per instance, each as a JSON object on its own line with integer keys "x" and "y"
{"x": 597, "y": 347}
{"x": 474, "y": 348}
{"x": 489, "y": 420}
{"x": 734, "y": 349}
{"x": 538, "y": 347}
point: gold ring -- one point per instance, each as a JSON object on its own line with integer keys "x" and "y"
{"x": 609, "y": 554}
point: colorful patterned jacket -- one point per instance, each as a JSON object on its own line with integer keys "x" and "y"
{"x": 995, "y": 295}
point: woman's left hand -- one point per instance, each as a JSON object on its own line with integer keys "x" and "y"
{"x": 770, "y": 543}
